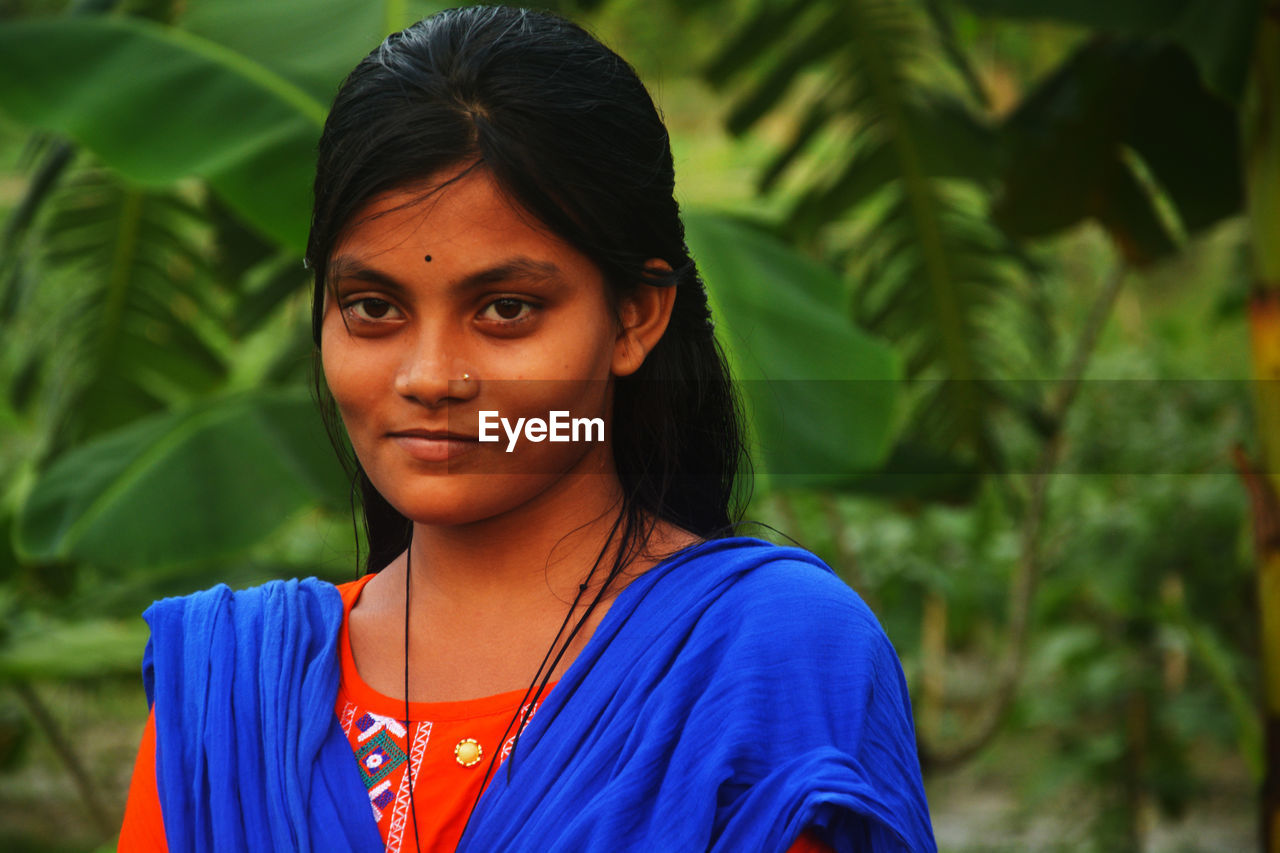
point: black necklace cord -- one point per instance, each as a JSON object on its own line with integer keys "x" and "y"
{"x": 524, "y": 710}
{"x": 408, "y": 743}
{"x": 619, "y": 563}
{"x": 526, "y": 707}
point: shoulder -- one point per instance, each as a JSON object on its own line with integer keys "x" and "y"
{"x": 350, "y": 591}
{"x": 789, "y": 575}
{"x": 307, "y": 600}
{"x": 782, "y": 625}
{"x": 194, "y": 636}
{"x": 787, "y": 671}
{"x": 273, "y": 593}
{"x": 787, "y": 593}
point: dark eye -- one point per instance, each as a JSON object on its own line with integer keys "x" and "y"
{"x": 371, "y": 308}
{"x": 507, "y": 309}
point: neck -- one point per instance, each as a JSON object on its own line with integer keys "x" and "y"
{"x": 536, "y": 554}
{"x": 487, "y": 598}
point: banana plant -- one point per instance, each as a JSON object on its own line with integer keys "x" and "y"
{"x": 1185, "y": 96}
{"x": 886, "y": 172}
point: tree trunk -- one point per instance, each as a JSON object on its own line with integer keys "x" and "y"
{"x": 1265, "y": 327}
{"x": 1262, "y": 163}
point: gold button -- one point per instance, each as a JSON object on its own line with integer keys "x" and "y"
{"x": 468, "y": 752}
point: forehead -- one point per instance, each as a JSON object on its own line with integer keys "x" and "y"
{"x": 458, "y": 220}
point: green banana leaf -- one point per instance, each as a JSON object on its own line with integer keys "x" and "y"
{"x": 314, "y": 43}
{"x": 820, "y": 393}
{"x": 889, "y": 175}
{"x": 1218, "y": 33}
{"x": 160, "y": 104}
{"x": 237, "y": 95}
{"x": 46, "y": 650}
{"x": 183, "y": 487}
{"x": 1071, "y": 142}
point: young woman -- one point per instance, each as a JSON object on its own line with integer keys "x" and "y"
{"x": 558, "y": 645}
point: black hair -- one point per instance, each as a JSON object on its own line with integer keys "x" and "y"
{"x": 570, "y": 134}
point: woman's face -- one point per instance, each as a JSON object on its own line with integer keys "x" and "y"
{"x": 427, "y": 290}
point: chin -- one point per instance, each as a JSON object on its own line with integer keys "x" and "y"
{"x": 556, "y": 480}
{"x": 450, "y": 499}
{"x": 455, "y": 500}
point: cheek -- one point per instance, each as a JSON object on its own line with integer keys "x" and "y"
{"x": 584, "y": 398}
{"x": 349, "y": 379}
{"x": 589, "y": 352}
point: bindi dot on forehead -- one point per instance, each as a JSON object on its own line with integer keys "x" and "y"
{"x": 427, "y": 258}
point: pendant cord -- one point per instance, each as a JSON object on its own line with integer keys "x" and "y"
{"x": 526, "y": 704}
{"x": 408, "y": 764}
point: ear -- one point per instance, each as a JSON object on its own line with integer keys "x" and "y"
{"x": 644, "y": 315}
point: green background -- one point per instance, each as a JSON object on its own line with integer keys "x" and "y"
{"x": 982, "y": 269}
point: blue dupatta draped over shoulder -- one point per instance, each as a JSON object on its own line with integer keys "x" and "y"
{"x": 732, "y": 696}
{"x": 249, "y": 753}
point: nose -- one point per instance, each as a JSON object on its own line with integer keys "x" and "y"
{"x": 432, "y": 373}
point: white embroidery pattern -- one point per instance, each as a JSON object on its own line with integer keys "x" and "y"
{"x": 374, "y": 794}
{"x": 391, "y": 724}
{"x": 348, "y": 717}
{"x": 400, "y": 810}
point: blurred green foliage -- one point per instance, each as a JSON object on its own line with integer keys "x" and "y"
{"x": 927, "y": 199}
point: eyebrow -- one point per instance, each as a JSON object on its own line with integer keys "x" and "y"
{"x": 520, "y": 267}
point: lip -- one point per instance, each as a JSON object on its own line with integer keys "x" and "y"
{"x": 432, "y": 445}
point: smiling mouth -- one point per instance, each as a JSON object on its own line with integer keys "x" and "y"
{"x": 430, "y": 446}
{"x": 432, "y": 434}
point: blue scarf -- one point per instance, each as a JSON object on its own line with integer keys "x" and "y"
{"x": 732, "y": 696}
